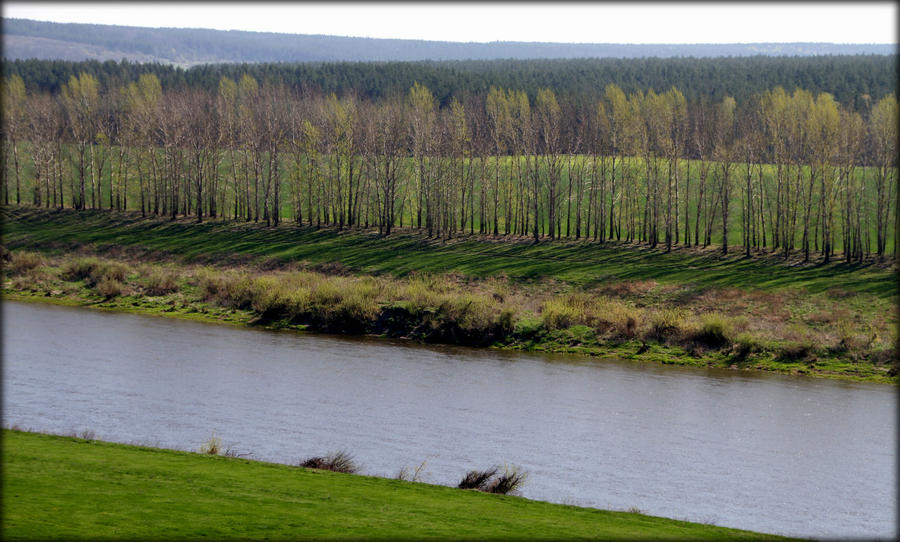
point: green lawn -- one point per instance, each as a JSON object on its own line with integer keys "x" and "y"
{"x": 67, "y": 488}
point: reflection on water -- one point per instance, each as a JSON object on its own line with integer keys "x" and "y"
{"x": 771, "y": 453}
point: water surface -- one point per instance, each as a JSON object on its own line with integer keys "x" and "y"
{"x": 772, "y": 453}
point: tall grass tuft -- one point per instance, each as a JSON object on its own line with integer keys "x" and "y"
{"x": 477, "y": 479}
{"x": 22, "y": 262}
{"x": 160, "y": 282}
{"x": 489, "y": 481}
{"x": 109, "y": 288}
{"x": 561, "y": 312}
{"x": 666, "y": 324}
{"x": 340, "y": 461}
{"x": 716, "y": 330}
{"x": 93, "y": 271}
{"x": 212, "y": 446}
{"x": 415, "y": 476}
{"x": 508, "y": 482}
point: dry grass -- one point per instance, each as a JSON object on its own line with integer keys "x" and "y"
{"x": 160, "y": 281}
{"x": 789, "y": 325}
{"x": 21, "y": 262}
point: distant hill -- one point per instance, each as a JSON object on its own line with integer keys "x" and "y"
{"x": 24, "y": 38}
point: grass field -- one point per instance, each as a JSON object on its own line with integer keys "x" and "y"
{"x": 584, "y": 264}
{"x": 58, "y": 487}
{"x": 688, "y": 307}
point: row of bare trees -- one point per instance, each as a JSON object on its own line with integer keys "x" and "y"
{"x": 791, "y": 171}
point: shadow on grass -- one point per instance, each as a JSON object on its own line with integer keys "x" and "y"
{"x": 585, "y": 264}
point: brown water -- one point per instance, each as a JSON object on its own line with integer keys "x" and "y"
{"x": 778, "y": 454}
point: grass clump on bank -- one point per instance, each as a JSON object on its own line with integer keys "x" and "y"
{"x": 339, "y": 461}
{"x": 492, "y": 480}
{"x": 62, "y": 487}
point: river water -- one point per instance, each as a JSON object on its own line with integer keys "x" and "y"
{"x": 778, "y": 454}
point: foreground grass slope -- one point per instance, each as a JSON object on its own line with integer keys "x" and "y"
{"x": 67, "y": 488}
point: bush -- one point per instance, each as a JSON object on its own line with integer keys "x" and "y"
{"x": 210, "y": 282}
{"x": 93, "y": 271}
{"x": 528, "y": 327}
{"x": 744, "y": 345}
{"x": 560, "y": 313}
{"x": 796, "y": 351}
{"x": 266, "y": 296}
{"x": 327, "y": 294}
{"x": 715, "y": 332}
{"x": 237, "y": 291}
{"x": 489, "y": 481}
{"x": 212, "y": 446}
{"x": 506, "y": 323}
{"x": 161, "y": 282}
{"x": 471, "y": 313}
{"x": 109, "y": 288}
{"x": 508, "y": 482}
{"x": 22, "y": 262}
{"x": 79, "y": 269}
{"x": 477, "y": 479}
{"x": 353, "y": 313}
{"x": 421, "y": 295}
{"x": 337, "y": 461}
{"x": 666, "y": 323}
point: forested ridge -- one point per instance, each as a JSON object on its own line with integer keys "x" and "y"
{"x": 25, "y": 38}
{"x": 852, "y": 79}
{"x": 786, "y": 171}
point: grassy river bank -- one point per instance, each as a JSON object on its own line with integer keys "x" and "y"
{"x": 57, "y": 487}
{"x": 688, "y": 307}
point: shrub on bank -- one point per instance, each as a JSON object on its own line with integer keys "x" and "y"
{"x": 489, "y": 481}
{"x": 610, "y": 318}
{"x": 797, "y": 351}
{"x": 93, "y": 271}
{"x": 715, "y": 332}
{"x": 160, "y": 282}
{"x": 109, "y": 288}
{"x": 337, "y": 461}
{"x": 666, "y": 324}
{"x": 560, "y": 313}
{"x": 22, "y": 262}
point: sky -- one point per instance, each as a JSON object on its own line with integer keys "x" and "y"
{"x": 580, "y": 22}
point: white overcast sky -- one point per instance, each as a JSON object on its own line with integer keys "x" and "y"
{"x": 600, "y": 22}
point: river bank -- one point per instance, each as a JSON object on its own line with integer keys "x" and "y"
{"x": 837, "y": 322}
{"x": 431, "y": 309}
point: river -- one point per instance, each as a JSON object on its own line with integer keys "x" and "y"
{"x": 772, "y": 453}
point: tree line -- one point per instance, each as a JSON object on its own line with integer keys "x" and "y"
{"x": 790, "y": 172}
{"x": 851, "y": 79}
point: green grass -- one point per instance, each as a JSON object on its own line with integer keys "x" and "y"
{"x": 68, "y": 488}
{"x": 582, "y": 264}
